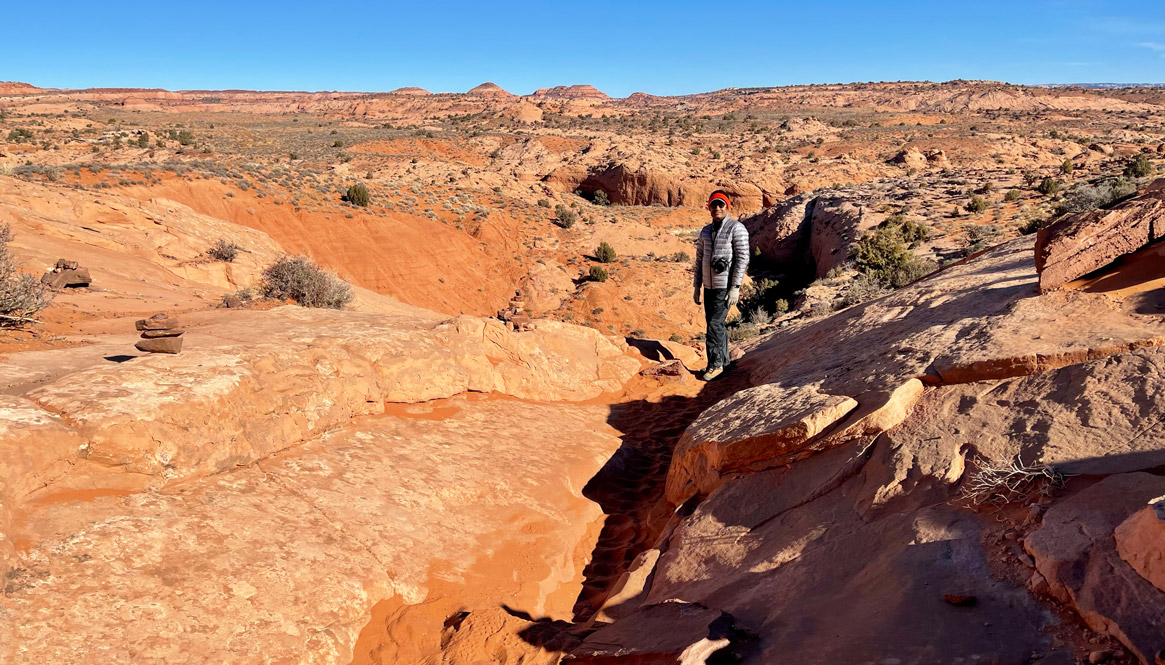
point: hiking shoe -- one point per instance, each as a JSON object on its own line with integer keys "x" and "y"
{"x": 712, "y": 373}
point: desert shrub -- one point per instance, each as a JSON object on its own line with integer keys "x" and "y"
{"x": 337, "y": 143}
{"x": 863, "y": 287}
{"x": 243, "y": 295}
{"x": 679, "y": 257}
{"x": 1012, "y": 195}
{"x": 977, "y": 204}
{"x": 143, "y": 140}
{"x": 912, "y": 232}
{"x": 598, "y": 274}
{"x": 677, "y": 338}
{"x": 564, "y": 217}
{"x": 1140, "y": 167}
{"x": 1033, "y": 223}
{"x": 185, "y": 138}
{"x": 604, "y": 253}
{"x": 298, "y": 279}
{"x": 759, "y": 296}
{"x": 19, "y": 135}
{"x": 1066, "y": 167}
{"x": 739, "y": 332}
{"x": 357, "y": 195}
{"x": 21, "y": 294}
{"x": 543, "y": 203}
{"x": 1085, "y": 198}
{"x": 1049, "y": 186}
{"x": 601, "y": 198}
{"x": 1001, "y": 483}
{"x": 223, "y": 250}
{"x": 884, "y": 256}
{"x": 819, "y": 308}
{"x": 758, "y": 317}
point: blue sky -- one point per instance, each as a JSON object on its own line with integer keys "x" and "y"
{"x": 659, "y": 47}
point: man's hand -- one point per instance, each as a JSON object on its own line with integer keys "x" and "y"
{"x": 696, "y": 295}
{"x": 733, "y": 297}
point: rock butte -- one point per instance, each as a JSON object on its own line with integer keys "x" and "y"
{"x": 965, "y": 469}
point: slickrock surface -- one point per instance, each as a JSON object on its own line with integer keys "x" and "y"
{"x": 784, "y": 551}
{"x": 1080, "y": 244}
{"x": 282, "y": 561}
{"x": 979, "y": 320}
{"x": 315, "y": 368}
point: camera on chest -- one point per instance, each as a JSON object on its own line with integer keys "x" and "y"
{"x": 720, "y": 264}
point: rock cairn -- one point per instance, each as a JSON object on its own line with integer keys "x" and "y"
{"x": 160, "y": 334}
{"x": 515, "y": 314}
{"x": 66, "y": 274}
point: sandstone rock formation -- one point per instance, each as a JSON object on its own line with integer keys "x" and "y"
{"x": 571, "y": 92}
{"x": 1080, "y": 244}
{"x": 66, "y": 274}
{"x": 491, "y": 90}
{"x": 1075, "y": 552}
{"x": 284, "y": 559}
{"x": 822, "y": 398}
{"x": 808, "y": 233}
{"x": 910, "y": 158}
{"x": 668, "y": 632}
{"x": 869, "y": 469}
{"x": 1140, "y": 541}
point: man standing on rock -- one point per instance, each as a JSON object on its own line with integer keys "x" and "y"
{"x": 721, "y": 259}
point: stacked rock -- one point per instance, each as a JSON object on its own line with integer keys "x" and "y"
{"x": 66, "y": 274}
{"x": 515, "y": 314}
{"x": 160, "y": 334}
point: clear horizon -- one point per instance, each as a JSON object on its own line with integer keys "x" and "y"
{"x": 664, "y": 49}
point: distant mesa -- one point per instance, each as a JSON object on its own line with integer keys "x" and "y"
{"x": 570, "y": 92}
{"x": 644, "y": 99}
{"x": 16, "y": 88}
{"x": 492, "y": 90}
{"x": 411, "y": 90}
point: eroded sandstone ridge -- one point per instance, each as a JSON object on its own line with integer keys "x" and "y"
{"x": 966, "y": 470}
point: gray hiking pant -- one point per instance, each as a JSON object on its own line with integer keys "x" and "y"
{"x": 715, "y": 315}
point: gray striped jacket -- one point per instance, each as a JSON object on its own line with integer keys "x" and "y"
{"x": 732, "y": 243}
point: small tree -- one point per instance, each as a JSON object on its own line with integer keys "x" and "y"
{"x": 358, "y": 195}
{"x": 601, "y": 198}
{"x": 598, "y": 274}
{"x": 1140, "y": 167}
{"x": 884, "y": 256}
{"x": 1049, "y": 187}
{"x": 978, "y": 204}
{"x": 604, "y": 253}
{"x": 21, "y": 294}
{"x": 144, "y": 140}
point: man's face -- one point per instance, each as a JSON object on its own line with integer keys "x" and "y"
{"x": 718, "y": 210}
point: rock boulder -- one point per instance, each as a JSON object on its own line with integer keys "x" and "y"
{"x": 1082, "y": 243}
